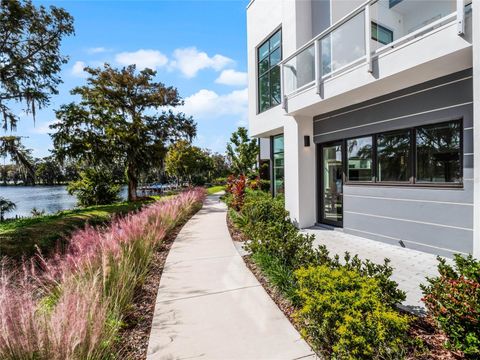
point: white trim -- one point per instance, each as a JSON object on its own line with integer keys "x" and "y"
{"x": 412, "y": 200}
{"x": 395, "y": 118}
{"x": 395, "y": 98}
{"x": 476, "y": 123}
{"x": 407, "y": 241}
{"x": 469, "y": 128}
{"x": 411, "y": 221}
{"x": 468, "y": 154}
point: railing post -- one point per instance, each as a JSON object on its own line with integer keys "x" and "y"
{"x": 368, "y": 36}
{"x": 318, "y": 71}
{"x": 282, "y": 86}
{"x": 460, "y": 17}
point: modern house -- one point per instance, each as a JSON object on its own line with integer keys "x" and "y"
{"x": 367, "y": 113}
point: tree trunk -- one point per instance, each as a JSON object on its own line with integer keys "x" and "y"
{"x": 132, "y": 182}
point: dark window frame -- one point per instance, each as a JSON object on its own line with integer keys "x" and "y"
{"x": 269, "y": 71}
{"x": 375, "y": 36}
{"x": 411, "y": 156}
{"x": 272, "y": 162}
{"x": 372, "y": 170}
{"x": 412, "y": 160}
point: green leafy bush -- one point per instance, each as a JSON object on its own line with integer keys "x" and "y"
{"x": 453, "y": 298}
{"x": 344, "y": 317}
{"x": 381, "y": 272}
{"x": 95, "y": 187}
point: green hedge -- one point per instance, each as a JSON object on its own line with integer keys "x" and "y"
{"x": 316, "y": 284}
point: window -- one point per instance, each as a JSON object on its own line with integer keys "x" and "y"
{"x": 359, "y": 159}
{"x": 438, "y": 153}
{"x": 381, "y": 34}
{"x": 278, "y": 165}
{"x": 269, "y": 55}
{"x": 430, "y": 154}
{"x": 393, "y": 156}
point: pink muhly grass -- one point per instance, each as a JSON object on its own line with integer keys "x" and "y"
{"x": 72, "y": 308}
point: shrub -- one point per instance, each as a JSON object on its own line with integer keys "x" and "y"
{"x": 94, "y": 187}
{"x": 381, "y": 272}
{"x": 259, "y": 184}
{"x": 236, "y": 188}
{"x": 220, "y": 181}
{"x": 344, "y": 317}
{"x": 453, "y": 298}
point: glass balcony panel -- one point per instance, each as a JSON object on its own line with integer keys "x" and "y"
{"x": 344, "y": 45}
{"x": 300, "y": 70}
{"x": 394, "y": 19}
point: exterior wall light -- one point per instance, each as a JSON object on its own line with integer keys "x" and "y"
{"x": 306, "y": 141}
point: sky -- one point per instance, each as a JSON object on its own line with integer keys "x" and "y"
{"x": 197, "y": 46}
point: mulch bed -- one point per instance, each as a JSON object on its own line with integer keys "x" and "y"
{"x": 422, "y": 328}
{"x": 136, "y": 333}
{"x": 235, "y": 233}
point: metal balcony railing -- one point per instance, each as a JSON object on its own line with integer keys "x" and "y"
{"x": 371, "y": 29}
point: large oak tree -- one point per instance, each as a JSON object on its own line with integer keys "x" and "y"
{"x": 123, "y": 116}
{"x": 30, "y": 58}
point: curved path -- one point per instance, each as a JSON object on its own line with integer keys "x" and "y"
{"x": 209, "y": 304}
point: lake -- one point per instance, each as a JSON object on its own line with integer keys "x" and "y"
{"x": 48, "y": 198}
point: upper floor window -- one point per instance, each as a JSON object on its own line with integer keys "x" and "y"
{"x": 269, "y": 55}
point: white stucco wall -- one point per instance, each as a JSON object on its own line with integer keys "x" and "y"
{"x": 476, "y": 127}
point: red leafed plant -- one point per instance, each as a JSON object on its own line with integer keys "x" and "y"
{"x": 238, "y": 192}
{"x": 453, "y": 298}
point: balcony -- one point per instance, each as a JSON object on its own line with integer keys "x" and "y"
{"x": 379, "y": 39}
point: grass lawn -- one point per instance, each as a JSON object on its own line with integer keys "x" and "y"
{"x": 215, "y": 189}
{"x": 19, "y": 237}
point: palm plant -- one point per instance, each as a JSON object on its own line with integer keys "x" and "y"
{"x": 11, "y": 146}
{"x": 6, "y": 206}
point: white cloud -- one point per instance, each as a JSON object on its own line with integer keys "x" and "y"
{"x": 190, "y": 61}
{"x": 44, "y": 128}
{"x": 206, "y": 104}
{"x": 232, "y": 77}
{"x": 97, "y": 50}
{"x": 77, "y": 69}
{"x": 143, "y": 58}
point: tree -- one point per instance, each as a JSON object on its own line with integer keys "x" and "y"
{"x": 12, "y": 146}
{"x": 96, "y": 186}
{"x": 5, "y": 207}
{"x": 220, "y": 165}
{"x": 121, "y": 118}
{"x": 186, "y": 162}
{"x": 242, "y": 152}
{"x": 48, "y": 171}
{"x": 30, "y": 58}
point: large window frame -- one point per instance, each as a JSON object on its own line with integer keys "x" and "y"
{"x": 268, "y": 72}
{"x": 412, "y": 160}
{"x": 276, "y": 154}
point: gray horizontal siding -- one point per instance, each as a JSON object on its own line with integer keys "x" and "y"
{"x": 460, "y": 195}
{"x": 420, "y": 211}
{"x": 433, "y": 237}
{"x": 435, "y": 220}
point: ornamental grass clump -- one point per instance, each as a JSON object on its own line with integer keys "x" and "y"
{"x": 72, "y": 305}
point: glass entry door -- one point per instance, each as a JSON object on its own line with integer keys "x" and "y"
{"x": 331, "y": 198}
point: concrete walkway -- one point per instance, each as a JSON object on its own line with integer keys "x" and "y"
{"x": 410, "y": 266}
{"x": 210, "y": 306}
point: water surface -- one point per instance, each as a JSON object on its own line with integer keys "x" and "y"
{"x": 48, "y": 198}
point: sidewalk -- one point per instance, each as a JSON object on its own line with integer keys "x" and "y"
{"x": 209, "y": 304}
